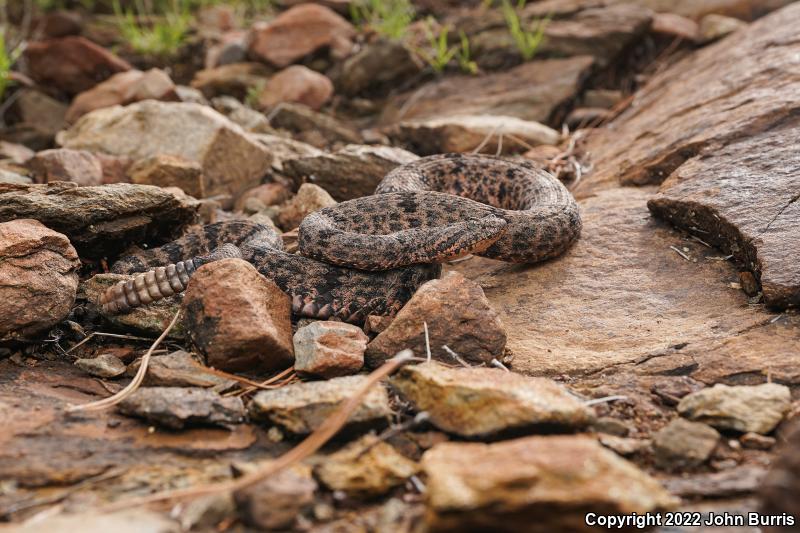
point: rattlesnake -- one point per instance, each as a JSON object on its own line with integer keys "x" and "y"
{"x": 368, "y": 255}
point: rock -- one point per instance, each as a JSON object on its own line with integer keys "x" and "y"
{"x": 602, "y": 98}
{"x": 234, "y": 79}
{"x": 475, "y": 402}
{"x": 61, "y": 23}
{"x": 714, "y": 27}
{"x": 465, "y": 133}
{"x": 675, "y": 26}
{"x": 205, "y": 512}
{"x": 124, "y": 88}
{"x": 683, "y": 444}
{"x": 231, "y": 48}
{"x": 284, "y": 149}
{"x": 277, "y": 502}
{"x": 299, "y": 31}
{"x": 671, "y": 390}
{"x": 100, "y": 221}
{"x": 7, "y": 176}
{"x": 625, "y": 446}
{"x": 744, "y": 205}
{"x": 351, "y": 172}
{"x": 695, "y": 9}
{"x": 38, "y": 278}
{"x": 780, "y": 488}
{"x": 366, "y": 468}
{"x": 531, "y": 91}
{"x": 238, "y": 318}
{"x": 754, "y": 441}
{"x": 190, "y": 95}
{"x": 232, "y": 161}
{"x": 755, "y": 409}
{"x": 43, "y": 113}
{"x": 17, "y": 153}
{"x": 72, "y": 64}
{"x": 179, "y": 407}
{"x": 329, "y": 349}
{"x": 77, "y": 166}
{"x": 377, "y": 66}
{"x": 302, "y": 407}
{"x": 729, "y": 483}
{"x": 611, "y": 426}
{"x": 296, "y": 84}
{"x": 127, "y": 521}
{"x": 535, "y": 484}
{"x": 301, "y": 119}
{"x": 115, "y": 168}
{"x": 153, "y": 318}
{"x": 653, "y": 299}
{"x": 103, "y": 366}
{"x": 588, "y": 117}
{"x": 266, "y": 194}
{"x": 308, "y": 199}
{"x": 179, "y": 369}
{"x": 457, "y": 314}
{"x": 169, "y": 171}
{"x": 248, "y": 118}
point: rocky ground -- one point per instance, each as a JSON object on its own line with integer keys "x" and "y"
{"x": 653, "y": 367}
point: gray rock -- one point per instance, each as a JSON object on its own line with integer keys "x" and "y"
{"x": 351, "y": 172}
{"x": 329, "y": 349}
{"x": 302, "y": 407}
{"x": 474, "y": 402}
{"x": 376, "y": 66}
{"x": 298, "y": 118}
{"x": 756, "y": 408}
{"x": 179, "y": 369}
{"x": 232, "y": 161}
{"x": 535, "y": 484}
{"x": 103, "y": 220}
{"x": 178, "y": 407}
{"x": 277, "y": 502}
{"x": 103, "y": 366}
{"x": 684, "y": 444}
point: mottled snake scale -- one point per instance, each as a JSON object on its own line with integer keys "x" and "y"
{"x": 368, "y": 255}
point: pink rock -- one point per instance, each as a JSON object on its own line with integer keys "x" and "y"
{"x": 297, "y": 84}
{"x": 297, "y": 32}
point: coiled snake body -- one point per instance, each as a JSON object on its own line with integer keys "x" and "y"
{"x": 368, "y": 255}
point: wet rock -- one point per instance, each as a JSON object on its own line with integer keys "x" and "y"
{"x": 277, "y": 502}
{"x": 179, "y": 407}
{"x": 754, "y": 441}
{"x": 302, "y": 407}
{"x": 719, "y": 104}
{"x": 714, "y": 27}
{"x": 299, "y": 31}
{"x": 99, "y": 221}
{"x": 530, "y": 91}
{"x": 351, "y": 172}
{"x": 367, "y": 467}
{"x": 179, "y": 369}
{"x": 234, "y": 79}
{"x": 675, "y": 26}
{"x": 473, "y": 402}
{"x": 124, "y": 88}
{"x": 465, "y": 133}
{"x": 103, "y": 366}
{"x": 72, "y": 64}
{"x": 745, "y": 205}
{"x": 38, "y": 278}
{"x": 77, "y": 166}
{"x": 296, "y": 84}
{"x": 457, "y": 314}
{"x": 683, "y": 444}
{"x": 304, "y": 120}
{"x": 265, "y": 195}
{"x": 533, "y": 484}
{"x": 153, "y": 318}
{"x": 127, "y": 521}
{"x": 232, "y": 161}
{"x": 308, "y": 199}
{"x": 238, "y": 318}
{"x": 758, "y": 409}
{"x": 329, "y": 349}
{"x": 376, "y": 66}
{"x": 556, "y": 324}
{"x": 169, "y": 171}
{"x": 16, "y": 153}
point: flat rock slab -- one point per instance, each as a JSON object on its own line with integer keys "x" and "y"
{"x": 531, "y": 91}
{"x": 743, "y": 199}
{"x": 177, "y": 407}
{"x": 100, "y": 221}
{"x": 535, "y": 484}
{"x": 619, "y": 295}
{"x": 735, "y": 88}
{"x": 474, "y": 402}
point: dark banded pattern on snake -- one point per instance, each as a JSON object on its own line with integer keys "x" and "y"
{"x": 369, "y": 255}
